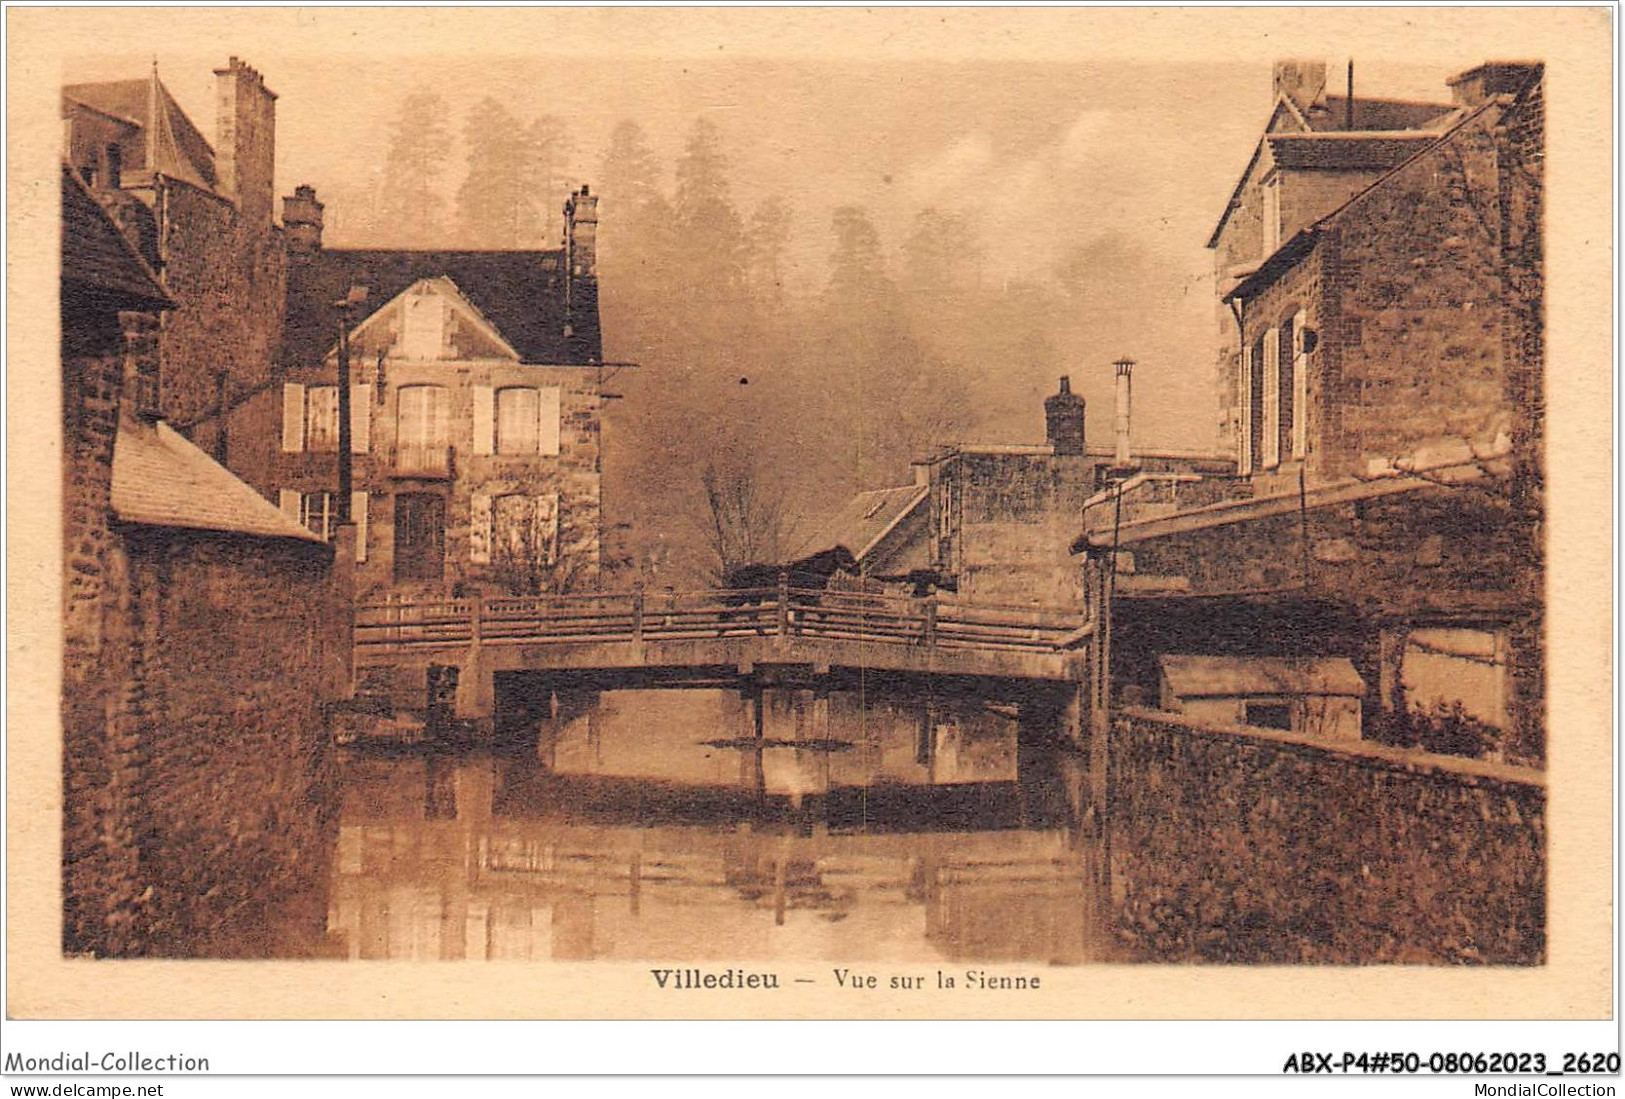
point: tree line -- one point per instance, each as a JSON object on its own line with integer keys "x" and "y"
{"x": 754, "y": 409}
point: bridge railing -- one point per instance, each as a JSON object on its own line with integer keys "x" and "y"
{"x": 784, "y": 611}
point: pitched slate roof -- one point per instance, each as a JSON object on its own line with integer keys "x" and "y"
{"x": 1377, "y": 121}
{"x": 863, "y": 521}
{"x": 1328, "y": 152}
{"x": 180, "y": 150}
{"x": 98, "y": 262}
{"x": 1299, "y": 244}
{"x": 1375, "y": 114}
{"x": 1229, "y": 676}
{"x": 160, "y": 479}
{"x": 522, "y": 294}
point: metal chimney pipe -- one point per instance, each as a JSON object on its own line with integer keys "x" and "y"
{"x": 1125, "y": 391}
{"x": 1348, "y": 104}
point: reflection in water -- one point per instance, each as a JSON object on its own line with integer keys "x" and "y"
{"x": 629, "y": 840}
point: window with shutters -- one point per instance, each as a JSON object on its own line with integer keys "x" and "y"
{"x": 316, "y": 512}
{"x": 310, "y": 418}
{"x": 524, "y": 529}
{"x": 518, "y": 421}
{"x": 518, "y": 536}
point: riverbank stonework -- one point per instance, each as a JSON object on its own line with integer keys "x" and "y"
{"x": 1246, "y": 845}
{"x": 234, "y": 767}
{"x": 199, "y": 782}
{"x": 196, "y": 665}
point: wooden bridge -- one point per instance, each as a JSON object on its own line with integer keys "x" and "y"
{"x": 630, "y": 639}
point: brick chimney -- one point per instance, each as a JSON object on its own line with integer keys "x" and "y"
{"x": 581, "y": 331}
{"x": 1063, "y": 420}
{"x": 302, "y": 220}
{"x": 1303, "y": 82}
{"x": 245, "y": 140}
{"x": 581, "y": 234}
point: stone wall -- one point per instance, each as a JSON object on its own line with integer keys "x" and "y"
{"x": 1252, "y": 846}
{"x": 195, "y": 667}
{"x": 1017, "y": 516}
{"x": 195, "y": 760}
{"x": 1522, "y": 178}
{"x": 94, "y": 872}
{"x": 227, "y": 272}
{"x": 1412, "y": 350}
{"x": 240, "y": 648}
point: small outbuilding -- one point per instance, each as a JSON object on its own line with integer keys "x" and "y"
{"x": 1316, "y": 696}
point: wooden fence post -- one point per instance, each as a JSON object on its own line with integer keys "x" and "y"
{"x": 475, "y": 605}
{"x": 637, "y": 612}
{"x": 931, "y": 623}
{"x": 784, "y": 604}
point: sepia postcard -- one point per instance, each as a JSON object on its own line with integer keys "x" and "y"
{"x": 810, "y": 513}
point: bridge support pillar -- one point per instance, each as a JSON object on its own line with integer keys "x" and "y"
{"x": 749, "y": 726}
{"x": 476, "y": 689}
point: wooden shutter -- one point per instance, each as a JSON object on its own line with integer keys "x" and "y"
{"x": 1300, "y": 389}
{"x": 440, "y": 403}
{"x": 358, "y": 516}
{"x": 360, "y": 419}
{"x": 1286, "y": 364}
{"x": 1245, "y": 399}
{"x": 484, "y": 419}
{"x": 288, "y": 501}
{"x": 1272, "y": 399}
{"x": 293, "y": 417}
{"x": 479, "y": 529}
{"x": 547, "y": 429}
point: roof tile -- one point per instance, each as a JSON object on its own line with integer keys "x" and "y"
{"x": 522, "y": 294}
{"x": 161, "y": 479}
{"x": 863, "y": 520}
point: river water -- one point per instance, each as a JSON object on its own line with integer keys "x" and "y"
{"x": 640, "y": 827}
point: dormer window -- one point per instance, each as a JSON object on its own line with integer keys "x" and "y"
{"x": 423, "y": 330}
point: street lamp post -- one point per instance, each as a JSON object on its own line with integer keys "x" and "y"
{"x": 346, "y": 310}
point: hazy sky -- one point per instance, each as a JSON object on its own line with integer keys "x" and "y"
{"x": 1120, "y": 164}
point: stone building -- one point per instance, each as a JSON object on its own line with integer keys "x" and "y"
{"x": 1391, "y": 437}
{"x": 200, "y": 643}
{"x": 994, "y": 522}
{"x": 474, "y": 409}
{"x": 1316, "y": 151}
{"x": 202, "y": 217}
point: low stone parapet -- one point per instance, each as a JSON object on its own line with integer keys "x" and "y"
{"x": 1237, "y": 844}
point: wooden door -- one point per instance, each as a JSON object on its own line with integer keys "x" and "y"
{"x": 420, "y": 536}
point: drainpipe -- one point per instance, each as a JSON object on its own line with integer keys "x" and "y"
{"x": 1238, "y": 310}
{"x": 346, "y": 311}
